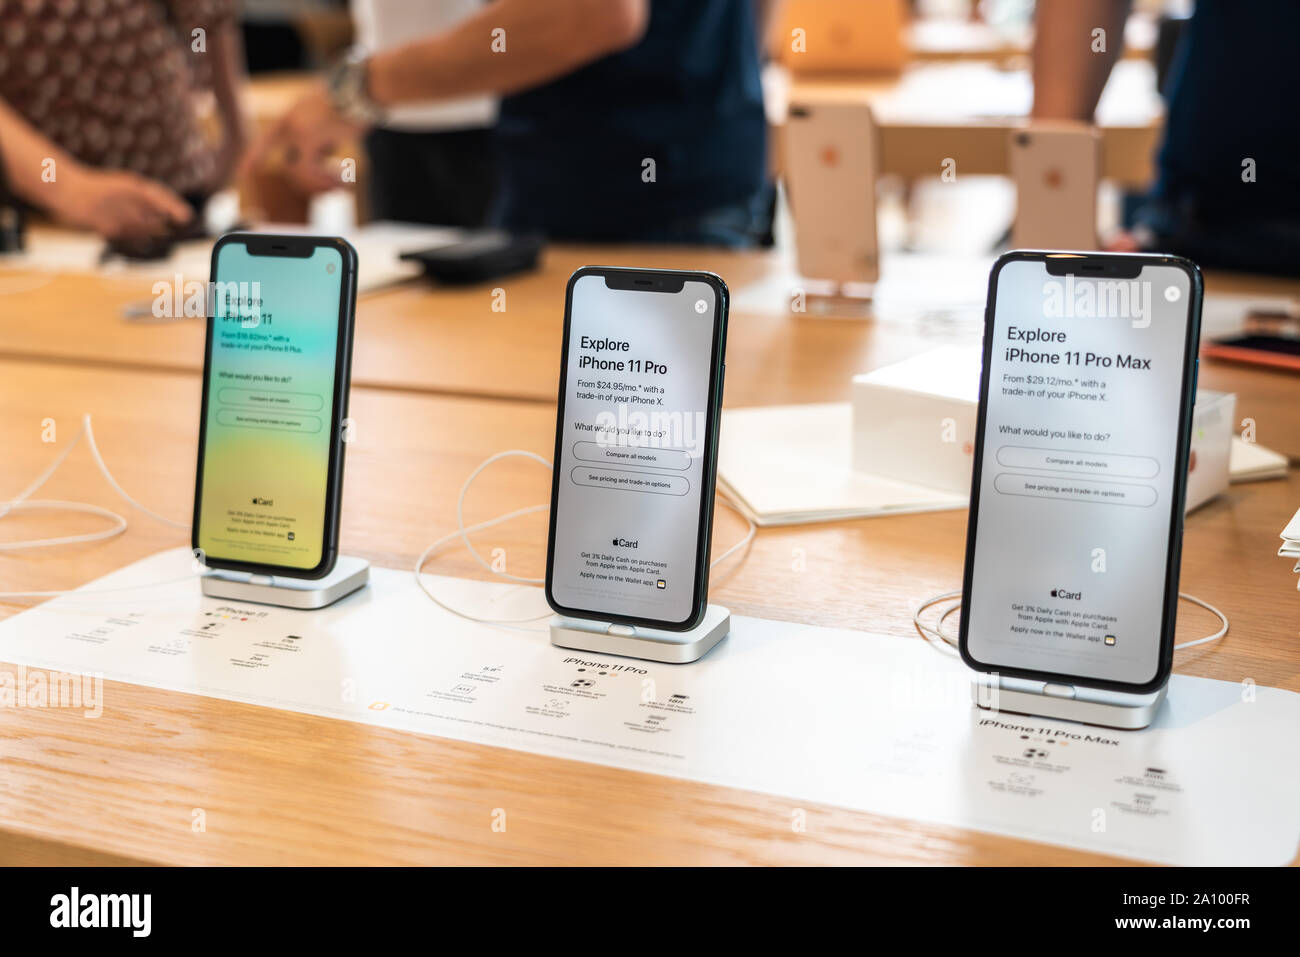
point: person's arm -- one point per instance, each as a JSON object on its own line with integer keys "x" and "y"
{"x": 769, "y": 18}
{"x": 1068, "y": 75}
{"x": 541, "y": 41}
{"x": 26, "y": 154}
{"x": 227, "y": 51}
{"x": 112, "y": 203}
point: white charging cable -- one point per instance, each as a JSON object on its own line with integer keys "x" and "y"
{"x": 24, "y": 502}
{"x": 463, "y": 532}
{"x": 1223, "y": 630}
{"x": 937, "y": 630}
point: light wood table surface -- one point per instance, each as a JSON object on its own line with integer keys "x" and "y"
{"x": 449, "y": 340}
{"x": 967, "y": 112}
{"x": 945, "y": 39}
{"x": 422, "y": 338}
{"x": 279, "y": 787}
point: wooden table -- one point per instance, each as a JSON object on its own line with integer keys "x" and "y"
{"x": 416, "y": 337}
{"x": 278, "y": 787}
{"x": 449, "y": 340}
{"x": 967, "y": 112}
{"x": 945, "y": 39}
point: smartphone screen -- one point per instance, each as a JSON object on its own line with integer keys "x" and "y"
{"x": 269, "y": 406}
{"x": 1081, "y": 471}
{"x": 632, "y": 499}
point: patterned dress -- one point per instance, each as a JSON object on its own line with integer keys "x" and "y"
{"x": 112, "y": 81}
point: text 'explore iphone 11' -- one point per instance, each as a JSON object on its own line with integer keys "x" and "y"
{"x": 275, "y": 396}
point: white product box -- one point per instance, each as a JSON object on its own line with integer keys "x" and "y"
{"x": 1213, "y": 421}
{"x": 914, "y": 421}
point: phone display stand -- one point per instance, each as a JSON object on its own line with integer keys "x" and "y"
{"x": 648, "y": 644}
{"x": 348, "y": 575}
{"x": 1109, "y": 709}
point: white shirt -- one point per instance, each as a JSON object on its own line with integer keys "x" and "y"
{"x": 384, "y": 24}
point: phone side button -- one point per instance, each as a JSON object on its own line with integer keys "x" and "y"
{"x": 1058, "y": 691}
{"x": 623, "y": 631}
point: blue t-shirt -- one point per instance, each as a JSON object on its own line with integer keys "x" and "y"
{"x": 687, "y": 97}
{"x": 1233, "y": 92}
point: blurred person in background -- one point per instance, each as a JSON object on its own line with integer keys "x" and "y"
{"x": 620, "y": 120}
{"x": 98, "y": 118}
{"x": 431, "y": 162}
{"x": 272, "y": 32}
{"x": 1227, "y": 193}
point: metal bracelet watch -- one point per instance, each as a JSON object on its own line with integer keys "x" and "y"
{"x": 348, "y": 92}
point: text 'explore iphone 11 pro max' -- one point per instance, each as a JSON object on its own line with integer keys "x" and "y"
{"x": 274, "y": 398}
{"x": 1075, "y": 529}
{"x": 636, "y": 446}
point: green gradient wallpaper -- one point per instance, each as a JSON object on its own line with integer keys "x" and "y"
{"x": 270, "y": 405}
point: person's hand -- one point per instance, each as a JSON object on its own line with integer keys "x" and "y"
{"x": 117, "y": 204}
{"x": 303, "y": 141}
{"x": 1122, "y": 241}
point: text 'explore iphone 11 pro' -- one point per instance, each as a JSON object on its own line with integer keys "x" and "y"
{"x": 636, "y": 446}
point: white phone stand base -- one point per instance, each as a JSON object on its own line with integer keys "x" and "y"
{"x": 1109, "y": 709}
{"x": 348, "y": 575}
{"x": 648, "y": 644}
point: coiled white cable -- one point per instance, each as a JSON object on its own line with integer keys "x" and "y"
{"x": 463, "y": 532}
{"x": 99, "y": 460}
{"x": 1210, "y": 608}
{"x": 24, "y": 502}
{"x": 937, "y": 631}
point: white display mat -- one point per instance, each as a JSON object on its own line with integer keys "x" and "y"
{"x": 873, "y": 722}
{"x": 788, "y": 464}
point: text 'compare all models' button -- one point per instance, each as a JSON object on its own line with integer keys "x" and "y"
{"x": 1084, "y": 463}
{"x": 632, "y": 455}
{"x": 271, "y": 399}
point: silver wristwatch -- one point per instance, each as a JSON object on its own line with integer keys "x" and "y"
{"x": 346, "y": 82}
